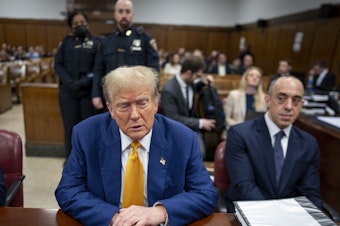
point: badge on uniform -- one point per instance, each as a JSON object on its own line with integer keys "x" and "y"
{"x": 153, "y": 44}
{"x": 88, "y": 44}
{"x": 136, "y": 45}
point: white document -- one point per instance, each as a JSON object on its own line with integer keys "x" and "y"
{"x": 278, "y": 212}
{"x": 334, "y": 121}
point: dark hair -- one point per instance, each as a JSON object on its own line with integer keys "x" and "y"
{"x": 192, "y": 63}
{"x": 71, "y": 15}
{"x": 320, "y": 63}
{"x": 288, "y": 60}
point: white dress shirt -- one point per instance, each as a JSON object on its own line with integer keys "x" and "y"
{"x": 143, "y": 154}
{"x": 273, "y": 130}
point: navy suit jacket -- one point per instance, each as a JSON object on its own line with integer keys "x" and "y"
{"x": 251, "y": 167}
{"x": 227, "y": 69}
{"x": 326, "y": 85}
{"x": 90, "y": 186}
{"x": 174, "y": 104}
{"x": 2, "y": 189}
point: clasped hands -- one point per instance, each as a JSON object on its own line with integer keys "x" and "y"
{"x": 139, "y": 216}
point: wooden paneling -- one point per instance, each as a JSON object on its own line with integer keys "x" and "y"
{"x": 271, "y": 47}
{"x": 196, "y": 40}
{"x": 335, "y": 67}
{"x": 257, "y": 38}
{"x": 15, "y": 34}
{"x": 100, "y": 27}
{"x": 159, "y": 35}
{"x": 36, "y": 34}
{"x": 321, "y": 39}
{"x": 176, "y": 39}
{"x": 217, "y": 41}
{"x": 301, "y": 58}
{"x": 285, "y": 43}
{"x": 234, "y": 44}
{"x": 325, "y": 40}
{"x": 2, "y": 34}
{"x": 55, "y": 33}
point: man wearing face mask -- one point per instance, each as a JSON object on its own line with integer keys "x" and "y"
{"x": 74, "y": 64}
{"x": 128, "y": 45}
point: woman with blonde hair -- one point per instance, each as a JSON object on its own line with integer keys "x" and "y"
{"x": 249, "y": 97}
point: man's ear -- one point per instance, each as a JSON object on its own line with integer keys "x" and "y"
{"x": 109, "y": 107}
{"x": 267, "y": 99}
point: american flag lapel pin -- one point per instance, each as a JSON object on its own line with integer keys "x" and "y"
{"x": 162, "y": 161}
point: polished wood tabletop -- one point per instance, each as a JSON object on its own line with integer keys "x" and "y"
{"x": 15, "y": 216}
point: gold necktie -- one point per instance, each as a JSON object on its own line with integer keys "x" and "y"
{"x": 133, "y": 193}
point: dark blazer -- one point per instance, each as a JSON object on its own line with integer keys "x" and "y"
{"x": 90, "y": 186}
{"x": 251, "y": 167}
{"x": 215, "y": 69}
{"x": 174, "y": 104}
{"x": 2, "y": 188}
{"x": 326, "y": 84}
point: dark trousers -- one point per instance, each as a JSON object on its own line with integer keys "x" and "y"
{"x": 73, "y": 110}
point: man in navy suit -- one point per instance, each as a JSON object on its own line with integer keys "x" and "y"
{"x": 324, "y": 80}
{"x": 177, "y": 186}
{"x": 250, "y": 153}
{"x": 2, "y": 189}
{"x": 222, "y": 67}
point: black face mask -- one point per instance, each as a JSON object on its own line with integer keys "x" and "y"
{"x": 80, "y": 31}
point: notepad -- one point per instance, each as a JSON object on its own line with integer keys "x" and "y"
{"x": 280, "y": 212}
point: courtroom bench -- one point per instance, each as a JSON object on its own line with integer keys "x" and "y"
{"x": 44, "y": 128}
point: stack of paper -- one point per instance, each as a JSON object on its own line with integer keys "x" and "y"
{"x": 280, "y": 212}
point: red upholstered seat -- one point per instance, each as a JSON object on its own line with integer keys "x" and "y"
{"x": 11, "y": 163}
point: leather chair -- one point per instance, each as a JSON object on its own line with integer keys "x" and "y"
{"x": 11, "y": 163}
{"x": 221, "y": 176}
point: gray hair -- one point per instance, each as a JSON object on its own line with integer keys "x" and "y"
{"x": 123, "y": 78}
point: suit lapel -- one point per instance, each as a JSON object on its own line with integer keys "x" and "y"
{"x": 294, "y": 145}
{"x": 158, "y": 163}
{"x": 267, "y": 151}
{"x": 110, "y": 163}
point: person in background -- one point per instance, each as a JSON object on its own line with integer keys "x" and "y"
{"x": 248, "y": 61}
{"x": 249, "y": 97}
{"x": 128, "y": 45}
{"x": 74, "y": 65}
{"x": 323, "y": 79}
{"x": 2, "y": 188}
{"x": 173, "y": 66}
{"x": 270, "y": 158}
{"x": 236, "y": 66}
{"x": 171, "y": 185}
{"x": 32, "y": 54}
{"x": 222, "y": 67}
{"x": 177, "y": 97}
{"x": 285, "y": 67}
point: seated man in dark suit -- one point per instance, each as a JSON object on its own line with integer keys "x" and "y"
{"x": 2, "y": 189}
{"x": 262, "y": 167}
{"x": 222, "y": 67}
{"x": 132, "y": 166}
{"x": 324, "y": 80}
{"x": 177, "y": 98}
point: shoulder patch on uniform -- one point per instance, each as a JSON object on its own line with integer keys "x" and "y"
{"x": 153, "y": 44}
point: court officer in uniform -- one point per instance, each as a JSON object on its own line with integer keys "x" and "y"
{"x": 127, "y": 46}
{"x": 74, "y": 64}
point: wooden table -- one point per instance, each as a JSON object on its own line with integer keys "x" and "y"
{"x": 15, "y": 216}
{"x": 329, "y": 142}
